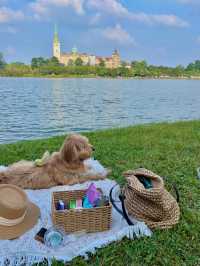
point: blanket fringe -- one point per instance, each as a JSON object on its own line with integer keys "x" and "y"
{"x": 19, "y": 259}
{"x": 138, "y": 230}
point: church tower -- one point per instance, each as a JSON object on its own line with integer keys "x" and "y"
{"x": 56, "y": 44}
{"x": 116, "y": 61}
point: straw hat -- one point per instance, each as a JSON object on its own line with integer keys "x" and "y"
{"x": 17, "y": 213}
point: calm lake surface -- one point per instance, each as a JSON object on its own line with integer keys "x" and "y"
{"x": 37, "y": 108}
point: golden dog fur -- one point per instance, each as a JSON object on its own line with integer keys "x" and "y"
{"x": 65, "y": 167}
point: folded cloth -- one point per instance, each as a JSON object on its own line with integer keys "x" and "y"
{"x": 3, "y": 168}
{"x": 26, "y": 250}
{"x": 95, "y": 167}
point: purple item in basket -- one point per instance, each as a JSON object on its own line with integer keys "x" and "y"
{"x": 92, "y": 193}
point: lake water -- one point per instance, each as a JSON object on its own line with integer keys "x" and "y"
{"x": 37, "y": 108}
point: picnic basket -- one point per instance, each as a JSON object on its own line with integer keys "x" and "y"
{"x": 72, "y": 220}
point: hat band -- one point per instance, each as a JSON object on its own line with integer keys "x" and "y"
{"x": 11, "y": 222}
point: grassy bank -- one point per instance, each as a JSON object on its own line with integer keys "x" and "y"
{"x": 171, "y": 150}
{"x": 69, "y": 76}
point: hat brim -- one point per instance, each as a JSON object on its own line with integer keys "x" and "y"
{"x": 31, "y": 218}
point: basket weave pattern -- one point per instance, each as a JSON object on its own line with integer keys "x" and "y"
{"x": 156, "y": 206}
{"x": 88, "y": 220}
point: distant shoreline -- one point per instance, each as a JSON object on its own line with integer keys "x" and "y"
{"x": 104, "y": 77}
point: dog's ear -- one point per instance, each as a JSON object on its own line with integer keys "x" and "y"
{"x": 75, "y": 149}
{"x": 84, "y": 154}
{"x": 69, "y": 151}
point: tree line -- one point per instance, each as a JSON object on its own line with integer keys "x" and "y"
{"x": 51, "y": 67}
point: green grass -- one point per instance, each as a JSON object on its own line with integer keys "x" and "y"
{"x": 171, "y": 150}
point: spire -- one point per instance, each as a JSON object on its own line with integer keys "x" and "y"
{"x": 116, "y": 52}
{"x": 56, "y": 33}
{"x": 74, "y": 50}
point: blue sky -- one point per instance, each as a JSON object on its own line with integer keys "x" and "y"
{"x": 161, "y": 32}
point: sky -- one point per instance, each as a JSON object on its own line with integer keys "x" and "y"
{"x": 160, "y": 32}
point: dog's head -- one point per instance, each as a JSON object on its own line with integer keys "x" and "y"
{"x": 76, "y": 149}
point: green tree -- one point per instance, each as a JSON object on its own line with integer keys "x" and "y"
{"x": 38, "y": 62}
{"x": 102, "y": 71}
{"x": 140, "y": 68}
{"x": 78, "y": 62}
{"x": 197, "y": 64}
{"x": 124, "y": 64}
{"x": 17, "y": 70}
{"x": 2, "y": 61}
{"x": 154, "y": 71}
{"x": 194, "y": 66}
{"x": 53, "y": 61}
{"x": 102, "y": 63}
{"x": 34, "y": 63}
{"x": 190, "y": 67}
{"x": 178, "y": 70}
{"x": 70, "y": 62}
{"x": 133, "y": 63}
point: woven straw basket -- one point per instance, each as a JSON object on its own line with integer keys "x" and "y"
{"x": 88, "y": 220}
{"x": 155, "y": 206}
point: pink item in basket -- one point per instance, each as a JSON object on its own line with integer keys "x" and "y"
{"x": 79, "y": 204}
{"x": 92, "y": 193}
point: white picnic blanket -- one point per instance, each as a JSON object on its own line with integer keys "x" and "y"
{"x": 31, "y": 250}
{"x": 26, "y": 250}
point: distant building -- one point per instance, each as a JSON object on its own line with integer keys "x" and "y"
{"x": 69, "y": 58}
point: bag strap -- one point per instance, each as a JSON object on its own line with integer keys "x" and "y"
{"x": 122, "y": 211}
{"x": 176, "y": 192}
{"x": 122, "y": 198}
{"x": 175, "y": 188}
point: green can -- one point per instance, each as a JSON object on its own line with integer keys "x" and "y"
{"x": 72, "y": 204}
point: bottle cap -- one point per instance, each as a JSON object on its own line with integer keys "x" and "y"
{"x": 53, "y": 238}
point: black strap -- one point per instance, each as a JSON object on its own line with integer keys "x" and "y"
{"x": 175, "y": 188}
{"x": 113, "y": 202}
{"x": 125, "y": 215}
{"x": 177, "y": 192}
{"x": 123, "y": 211}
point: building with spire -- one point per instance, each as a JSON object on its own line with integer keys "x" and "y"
{"x": 70, "y": 58}
{"x": 56, "y": 44}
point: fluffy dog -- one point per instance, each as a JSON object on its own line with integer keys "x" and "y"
{"x": 65, "y": 167}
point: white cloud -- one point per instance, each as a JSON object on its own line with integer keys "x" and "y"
{"x": 109, "y": 6}
{"x": 169, "y": 20}
{"x": 8, "y": 15}
{"x": 43, "y": 8}
{"x": 115, "y": 8}
{"x": 119, "y": 35}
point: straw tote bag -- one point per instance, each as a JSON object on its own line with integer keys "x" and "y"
{"x": 155, "y": 206}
